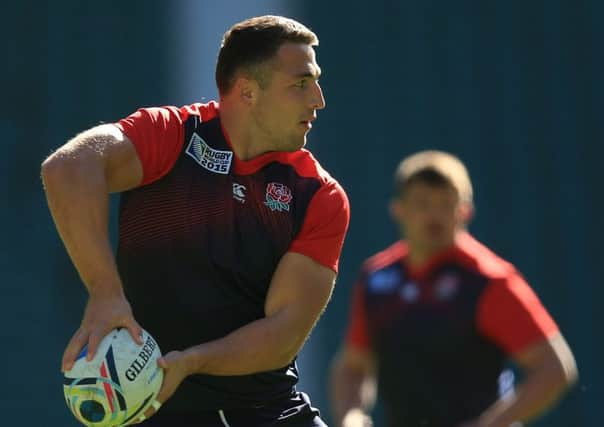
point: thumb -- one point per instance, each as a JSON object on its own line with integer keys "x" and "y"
{"x": 136, "y": 332}
{"x": 162, "y": 363}
{"x": 169, "y": 359}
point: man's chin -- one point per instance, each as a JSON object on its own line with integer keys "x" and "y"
{"x": 296, "y": 145}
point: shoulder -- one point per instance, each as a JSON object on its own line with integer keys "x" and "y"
{"x": 479, "y": 258}
{"x": 205, "y": 112}
{"x": 387, "y": 257}
{"x": 168, "y": 115}
{"x": 307, "y": 166}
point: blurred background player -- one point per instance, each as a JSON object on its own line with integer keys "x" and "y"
{"x": 229, "y": 233}
{"x": 436, "y": 316}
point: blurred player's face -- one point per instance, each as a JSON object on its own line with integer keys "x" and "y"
{"x": 286, "y": 108}
{"x": 430, "y": 216}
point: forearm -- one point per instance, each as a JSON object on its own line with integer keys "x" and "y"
{"x": 298, "y": 293}
{"x": 534, "y": 396}
{"x": 265, "y": 344}
{"x": 78, "y": 200}
{"x": 347, "y": 392}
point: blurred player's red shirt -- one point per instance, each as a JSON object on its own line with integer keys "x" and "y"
{"x": 442, "y": 334}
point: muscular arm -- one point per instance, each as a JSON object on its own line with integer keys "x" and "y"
{"x": 298, "y": 293}
{"x": 352, "y": 384}
{"x": 550, "y": 369}
{"x": 77, "y": 179}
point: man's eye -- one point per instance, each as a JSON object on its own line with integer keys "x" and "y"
{"x": 301, "y": 84}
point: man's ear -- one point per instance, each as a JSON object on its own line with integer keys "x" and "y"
{"x": 246, "y": 90}
{"x": 466, "y": 212}
{"x": 396, "y": 209}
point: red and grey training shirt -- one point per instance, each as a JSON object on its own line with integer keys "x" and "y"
{"x": 199, "y": 240}
{"x": 442, "y": 334}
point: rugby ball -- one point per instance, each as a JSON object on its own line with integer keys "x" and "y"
{"x": 117, "y": 386}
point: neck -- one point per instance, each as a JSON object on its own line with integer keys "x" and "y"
{"x": 241, "y": 132}
{"x": 419, "y": 256}
{"x": 420, "y": 253}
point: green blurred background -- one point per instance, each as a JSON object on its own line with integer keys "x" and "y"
{"x": 514, "y": 88}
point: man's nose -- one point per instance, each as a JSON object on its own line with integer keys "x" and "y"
{"x": 318, "y": 100}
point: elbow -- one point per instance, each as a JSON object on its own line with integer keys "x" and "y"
{"x": 563, "y": 374}
{"x": 67, "y": 167}
{"x": 563, "y": 365}
{"x": 571, "y": 372}
{"x": 289, "y": 356}
{"x": 52, "y": 168}
{"x": 284, "y": 358}
{"x": 567, "y": 366}
{"x": 286, "y": 354}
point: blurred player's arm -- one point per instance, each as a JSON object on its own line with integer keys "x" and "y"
{"x": 298, "y": 293}
{"x": 512, "y": 315}
{"x": 78, "y": 178}
{"x": 549, "y": 369}
{"x": 352, "y": 386}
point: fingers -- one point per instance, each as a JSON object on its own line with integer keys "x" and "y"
{"x": 155, "y": 405}
{"x": 73, "y": 349}
{"x": 89, "y": 341}
{"x": 93, "y": 343}
{"x": 100, "y": 316}
{"x": 170, "y": 358}
{"x": 161, "y": 362}
{"x": 135, "y": 331}
{"x": 357, "y": 418}
{"x": 95, "y": 337}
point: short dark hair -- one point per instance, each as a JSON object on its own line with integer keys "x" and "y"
{"x": 249, "y": 44}
{"x": 435, "y": 168}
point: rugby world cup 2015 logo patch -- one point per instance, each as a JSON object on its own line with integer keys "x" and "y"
{"x": 216, "y": 161}
{"x": 278, "y": 197}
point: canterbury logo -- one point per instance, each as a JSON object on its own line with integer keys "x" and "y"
{"x": 239, "y": 192}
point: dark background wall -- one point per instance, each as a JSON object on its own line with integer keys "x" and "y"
{"x": 513, "y": 88}
{"x": 65, "y": 67}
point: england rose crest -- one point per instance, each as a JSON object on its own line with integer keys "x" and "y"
{"x": 278, "y": 197}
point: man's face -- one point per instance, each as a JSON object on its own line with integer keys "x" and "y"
{"x": 430, "y": 215}
{"x": 286, "y": 107}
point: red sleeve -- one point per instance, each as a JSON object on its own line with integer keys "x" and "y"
{"x": 157, "y": 135}
{"x": 510, "y": 314}
{"x": 357, "y": 335}
{"x": 324, "y": 227}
